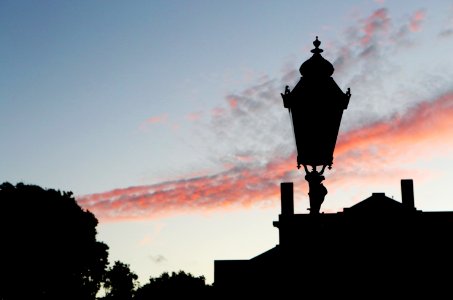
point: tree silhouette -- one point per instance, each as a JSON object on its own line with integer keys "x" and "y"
{"x": 179, "y": 284}
{"x": 120, "y": 282}
{"x": 49, "y": 246}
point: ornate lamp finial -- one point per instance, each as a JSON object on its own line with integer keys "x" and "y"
{"x": 317, "y": 43}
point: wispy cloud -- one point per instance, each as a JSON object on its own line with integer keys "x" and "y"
{"x": 237, "y": 187}
{"x": 157, "y": 258}
{"x": 402, "y": 139}
{"x": 446, "y": 32}
{"x": 365, "y": 152}
{"x": 194, "y": 116}
{"x": 378, "y": 21}
{"x": 156, "y": 119}
{"x": 233, "y": 103}
{"x": 217, "y": 112}
{"x": 416, "y": 20}
{"x": 447, "y": 29}
{"x": 145, "y": 240}
{"x": 385, "y": 126}
{"x": 160, "y": 119}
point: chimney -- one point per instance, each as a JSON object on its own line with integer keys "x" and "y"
{"x": 407, "y": 193}
{"x": 287, "y": 198}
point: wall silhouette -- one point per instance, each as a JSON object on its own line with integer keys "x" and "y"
{"x": 379, "y": 245}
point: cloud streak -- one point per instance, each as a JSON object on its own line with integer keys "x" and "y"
{"x": 365, "y": 152}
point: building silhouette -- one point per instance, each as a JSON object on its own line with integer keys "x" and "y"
{"x": 378, "y": 245}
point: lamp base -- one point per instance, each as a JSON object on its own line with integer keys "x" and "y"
{"x": 317, "y": 191}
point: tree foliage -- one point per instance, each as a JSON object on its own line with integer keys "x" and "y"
{"x": 49, "y": 246}
{"x": 179, "y": 284}
{"x": 49, "y": 251}
{"x": 120, "y": 282}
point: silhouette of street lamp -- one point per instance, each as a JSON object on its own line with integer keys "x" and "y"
{"x": 316, "y": 107}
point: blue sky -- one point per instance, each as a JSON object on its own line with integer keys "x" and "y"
{"x": 178, "y": 96}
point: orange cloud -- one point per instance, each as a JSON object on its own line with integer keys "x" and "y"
{"x": 227, "y": 189}
{"x": 426, "y": 123}
{"x": 361, "y": 154}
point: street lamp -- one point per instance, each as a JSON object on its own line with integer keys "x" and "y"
{"x": 316, "y": 106}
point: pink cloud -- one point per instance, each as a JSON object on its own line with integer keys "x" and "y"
{"x": 416, "y": 20}
{"x": 233, "y": 103}
{"x": 156, "y": 119}
{"x": 377, "y": 21}
{"x": 194, "y": 116}
{"x": 371, "y": 153}
{"x": 220, "y": 191}
{"x": 218, "y": 112}
{"x": 152, "y": 121}
{"x": 363, "y": 154}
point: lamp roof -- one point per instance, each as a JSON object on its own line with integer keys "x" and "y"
{"x": 316, "y": 66}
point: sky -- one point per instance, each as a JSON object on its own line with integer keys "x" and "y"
{"x": 165, "y": 119}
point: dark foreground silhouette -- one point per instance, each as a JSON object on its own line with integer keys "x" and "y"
{"x": 378, "y": 247}
{"x": 49, "y": 246}
{"x": 179, "y": 285}
{"x": 49, "y": 251}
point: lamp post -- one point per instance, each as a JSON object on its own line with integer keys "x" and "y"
{"x": 316, "y": 107}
